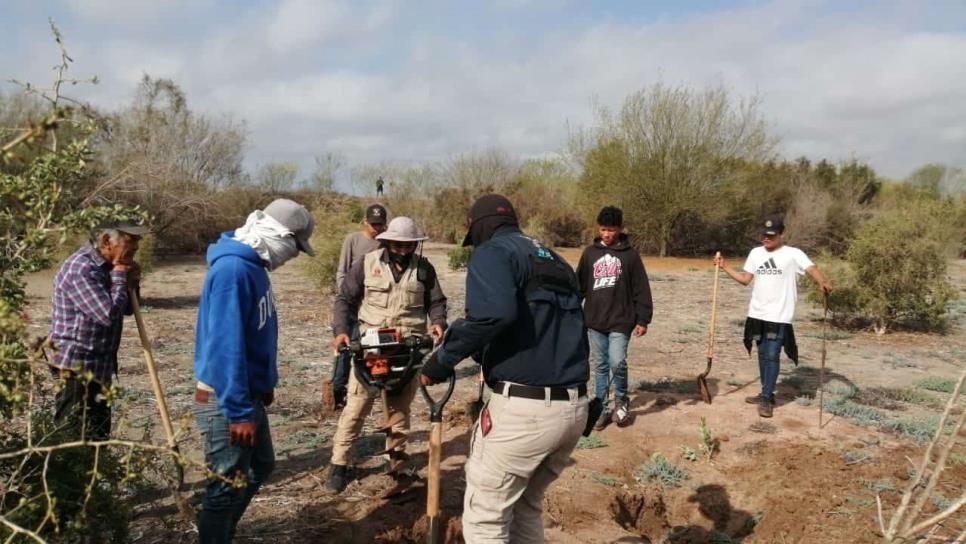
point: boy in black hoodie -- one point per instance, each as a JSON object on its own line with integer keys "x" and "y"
{"x": 617, "y": 303}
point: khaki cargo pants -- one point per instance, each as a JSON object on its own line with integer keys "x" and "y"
{"x": 510, "y": 468}
{"x": 357, "y": 407}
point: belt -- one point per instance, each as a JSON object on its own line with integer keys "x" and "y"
{"x": 537, "y": 393}
{"x": 202, "y": 395}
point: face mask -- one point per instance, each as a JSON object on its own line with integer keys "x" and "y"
{"x": 281, "y": 251}
{"x": 401, "y": 260}
{"x": 270, "y": 239}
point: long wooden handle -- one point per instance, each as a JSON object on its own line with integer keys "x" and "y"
{"x": 432, "y": 491}
{"x": 153, "y": 371}
{"x": 714, "y": 308}
{"x": 821, "y": 375}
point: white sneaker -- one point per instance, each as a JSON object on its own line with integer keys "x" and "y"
{"x": 621, "y": 415}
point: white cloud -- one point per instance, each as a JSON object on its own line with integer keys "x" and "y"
{"x": 376, "y": 81}
{"x": 301, "y": 23}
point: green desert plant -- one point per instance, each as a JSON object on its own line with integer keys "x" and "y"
{"x": 663, "y": 471}
{"x": 708, "y": 444}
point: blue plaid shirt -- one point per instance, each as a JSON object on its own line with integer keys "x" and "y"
{"x": 90, "y": 301}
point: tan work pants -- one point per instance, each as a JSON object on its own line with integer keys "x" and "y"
{"x": 510, "y": 468}
{"x": 357, "y": 407}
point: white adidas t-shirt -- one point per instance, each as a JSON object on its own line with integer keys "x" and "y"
{"x": 774, "y": 292}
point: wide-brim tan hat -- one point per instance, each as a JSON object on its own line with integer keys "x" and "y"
{"x": 402, "y": 229}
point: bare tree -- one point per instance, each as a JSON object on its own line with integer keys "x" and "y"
{"x": 327, "y": 168}
{"x": 277, "y": 177}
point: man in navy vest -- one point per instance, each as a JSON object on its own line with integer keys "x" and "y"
{"x": 524, "y": 321}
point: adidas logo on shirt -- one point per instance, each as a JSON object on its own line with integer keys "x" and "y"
{"x": 769, "y": 268}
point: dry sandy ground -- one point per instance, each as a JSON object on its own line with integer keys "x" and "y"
{"x": 787, "y": 481}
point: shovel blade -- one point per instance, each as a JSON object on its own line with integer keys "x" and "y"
{"x": 703, "y": 387}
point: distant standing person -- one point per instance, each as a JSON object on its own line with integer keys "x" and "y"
{"x": 354, "y": 247}
{"x": 617, "y": 303}
{"x": 90, "y": 302}
{"x": 775, "y": 268}
{"x": 379, "y": 186}
{"x": 236, "y": 347}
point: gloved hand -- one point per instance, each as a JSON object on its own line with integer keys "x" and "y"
{"x": 243, "y": 434}
{"x": 433, "y": 371}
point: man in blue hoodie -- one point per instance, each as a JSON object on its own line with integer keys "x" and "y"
{"x": 235, "y": 352}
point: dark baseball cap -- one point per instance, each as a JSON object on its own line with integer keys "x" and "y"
{"x": 126, "y": 226}
{"x": 773, "y": 225}
{"x": 488, "y": 206}
{"x": 376, "y": 215}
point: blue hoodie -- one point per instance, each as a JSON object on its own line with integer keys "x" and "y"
{"x": 236, "y": 338}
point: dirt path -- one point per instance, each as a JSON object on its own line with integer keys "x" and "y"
{"x": 784, "y": 481}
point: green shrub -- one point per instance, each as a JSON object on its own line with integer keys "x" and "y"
{"x": 459, "y": 257}
{"x": 942, "y": 385}
{"x": 332, "y": 224}
{"x": 82, "y": 510}
{"x": 899, "y": 272}
{"x": 665, "y": 472}
{"x": 355, "y": 211}
{"x": 591, "y": 443}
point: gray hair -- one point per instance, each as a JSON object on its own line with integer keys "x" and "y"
{"x": 114, "y": 235}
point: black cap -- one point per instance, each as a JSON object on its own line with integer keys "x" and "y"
{"x": 487, "y": 206}
{"x": 124, "y": 225}
{"x": 376, "y": 215}
{"x": 772, "y": 225}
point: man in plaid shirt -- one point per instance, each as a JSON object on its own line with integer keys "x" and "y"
{"x": 90, "y": 302}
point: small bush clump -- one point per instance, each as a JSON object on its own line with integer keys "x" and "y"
{"x": 459, "y": 257}
{"x": 665, "y": 472}
{"x": 331, "y": 228}
{"x": 942, "y": 385}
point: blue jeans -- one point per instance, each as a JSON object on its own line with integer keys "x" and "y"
{"x": 224, "y": 504}
{"x": 343, "y": 361}
{"x": 608, "y": 357}
{"x": 769, "y": 360}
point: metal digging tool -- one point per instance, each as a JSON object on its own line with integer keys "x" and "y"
{"x": 433, "y": 532}
{"x": 821, "y": 372}
{"x": 474, "y": 407}
{"x": 702, "y": 378}
{"x": 180, "y": 501}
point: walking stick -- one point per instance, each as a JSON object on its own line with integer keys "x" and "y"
{"x": 435, "y": 458}
{"x": 182, "y": 504}
{"x": 821, "y": 372}
{"x": 702, "y": 381}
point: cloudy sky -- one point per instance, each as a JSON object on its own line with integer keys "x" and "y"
{"x": 883, "y": 82}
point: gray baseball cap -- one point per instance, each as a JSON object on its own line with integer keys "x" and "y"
{"x": 126, "y": 226}
{"x": 295, "y": 218}
{"x": 402, "y": 229}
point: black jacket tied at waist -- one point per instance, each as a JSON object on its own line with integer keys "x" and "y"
{"x": 756, "y": 330}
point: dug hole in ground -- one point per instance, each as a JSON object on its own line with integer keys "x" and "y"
{"x": 778, "y": 480}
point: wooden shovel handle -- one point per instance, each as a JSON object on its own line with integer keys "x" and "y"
{"x": 152, "y": 370}
{"x": 714, "y": 308}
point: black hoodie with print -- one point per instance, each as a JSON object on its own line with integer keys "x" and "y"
{"x": 615, "y": 287}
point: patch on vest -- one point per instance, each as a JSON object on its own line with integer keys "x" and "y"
{"x": 544, "y": 253}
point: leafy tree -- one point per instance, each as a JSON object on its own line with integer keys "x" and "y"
{"x": 669, "y": 151}
{"x": 896, "y": 268}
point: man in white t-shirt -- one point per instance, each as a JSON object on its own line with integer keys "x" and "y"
{"x": 775, "y": 268}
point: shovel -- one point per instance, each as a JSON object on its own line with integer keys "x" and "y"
{"x": 702, "y": 381}
{"x": 181, "y": 503}
{"x": 821, "y": 372}
{"x": 474, "y": 407}
{"x": 434, "y": 528}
